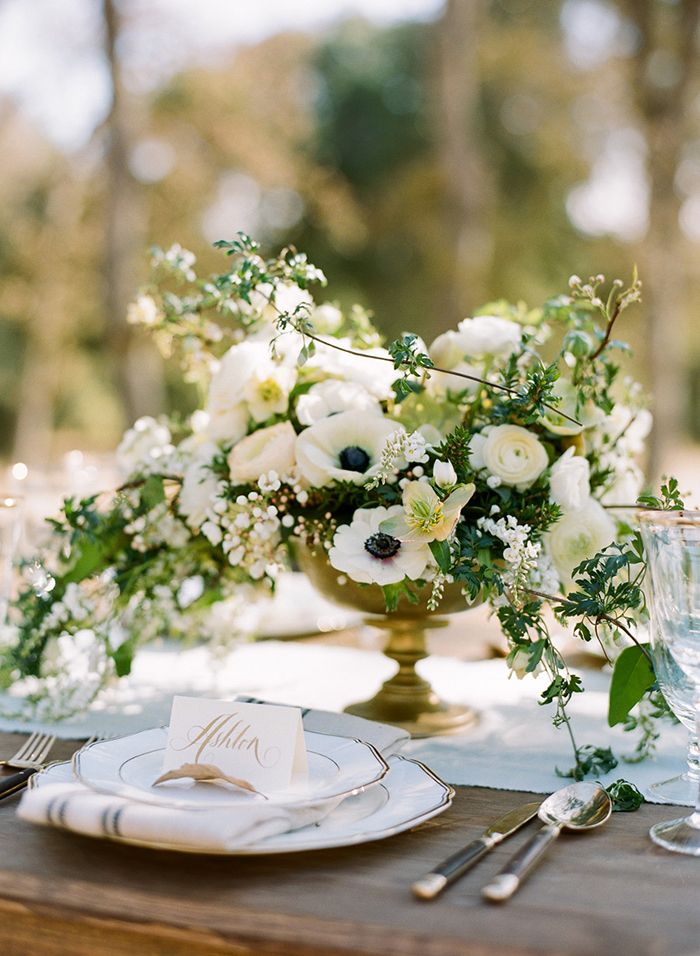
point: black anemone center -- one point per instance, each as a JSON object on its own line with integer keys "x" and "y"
{"x": 382, "y": 545}
{"x": 354, "y": 459}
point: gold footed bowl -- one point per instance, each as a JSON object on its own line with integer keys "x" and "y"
{"x": 406, "y": 699}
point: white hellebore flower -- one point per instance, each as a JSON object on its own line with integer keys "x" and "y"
{"x": 489, "y": 335}
{"x": 344, "y": 447}
{"x": 509, "y": 452}
{"x": 444, "y": 474}
{"x": 269, "y": 449}
{"x": 227, "y": 410}
{"x": 333, "y": 396}
{"x": 267, "y": 389}
{"x": 425, "y": 517}
{"x": 519, "y": 661}
{"x": 143, "y": 444}
{"x": 578, "y": 535}
{"x": 569, "y": 481}
{"x": 369, "y": 555}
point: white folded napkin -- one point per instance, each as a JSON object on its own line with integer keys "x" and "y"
{"x": 75, "y": 807}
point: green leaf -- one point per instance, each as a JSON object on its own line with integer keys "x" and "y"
{"x": 441, "y": 553}
{"x": 632, "y": 676}
{"x": 152, "y": 492}
{"x": 123, "y": 657}
{"x": 88, "y": 556}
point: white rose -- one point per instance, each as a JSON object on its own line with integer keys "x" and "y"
{"x": 509, "y": 452}
{"x": 333, "y": 396}
{"x": 446, "y": 350}
{"x": 344, "y": 447}
{"x": 569, "y": 482}
{"x": 269, "y": 449}
{"x": 487, "y": 335}
{"x": 578, "y": 535}
{"x": 144, "y": 444}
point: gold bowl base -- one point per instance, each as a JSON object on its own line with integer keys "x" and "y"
{"x": 438, "y": 717}
{"x": 406, "y": 699}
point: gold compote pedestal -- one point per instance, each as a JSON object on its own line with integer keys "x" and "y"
{"x": 406, "y": 699}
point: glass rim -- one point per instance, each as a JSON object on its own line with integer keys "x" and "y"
{"x": 687, "y": 517}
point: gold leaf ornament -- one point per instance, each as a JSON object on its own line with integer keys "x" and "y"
{"x": 205, "y": 773}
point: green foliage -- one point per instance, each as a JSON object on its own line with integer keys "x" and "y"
{"x": 632, "y": 677}
{"x": 669, "y": 498}
{"x": 590, "y": 761}
{"x": 625, "y": 797}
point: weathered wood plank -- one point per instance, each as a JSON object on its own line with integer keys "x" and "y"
{"x": 610, "y": 890}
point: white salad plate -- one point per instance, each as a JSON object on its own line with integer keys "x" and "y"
{"x": 127, "y": 766}
{"x": 408, "y": 795}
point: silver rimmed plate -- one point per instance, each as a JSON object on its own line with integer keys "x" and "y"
{"x": 127, "y": 767}
{"x": 408, "y": 795}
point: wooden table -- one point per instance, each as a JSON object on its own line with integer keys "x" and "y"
{"x": 609, "y": 891}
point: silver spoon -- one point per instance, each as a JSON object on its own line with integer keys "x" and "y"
{"x": 580, "y": 806}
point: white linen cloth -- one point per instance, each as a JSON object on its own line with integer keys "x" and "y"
{"x": 513, "y": 747}
{"x": 72, "y": 806}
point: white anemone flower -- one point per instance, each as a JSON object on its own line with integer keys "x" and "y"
{"x": 333, "y": 396}
{"x": 344, "y": 447}
{"x": 370, "y": 556}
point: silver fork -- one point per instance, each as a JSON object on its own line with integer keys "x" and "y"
{"x": 30, "y": 757}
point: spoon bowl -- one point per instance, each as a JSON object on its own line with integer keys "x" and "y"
{"x": 580, "y": 806}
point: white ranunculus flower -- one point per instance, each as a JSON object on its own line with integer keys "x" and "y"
{"x": 569, "y": 481}
{"x": 146, "y": 442}
{"x": 267, "y": 389}
{"x": 369, "y": 556}
{"x": 439, "y": 383}
{"x": 578, "y": 535}
{"x": 446, "y": 350}
{"x": 268, "y": 449}
{"x": 326, "y": 318}
{"x": 589, "y": 416}
{"x": 510, "y": 453}
{"x": 333, "y": 396}
{"x": 198, "y": 489}
{"x": 344, "y": 447}
{"x": 375, "y": 376}
{"x": 489, "y": 335}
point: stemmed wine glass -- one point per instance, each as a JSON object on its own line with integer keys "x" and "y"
{"x": 672, "y": 546}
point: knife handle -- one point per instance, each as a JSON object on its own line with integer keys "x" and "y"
{"x": 508, "y": 880}
{"x": 433, "y": 883}
{"x": 15, "y": 781}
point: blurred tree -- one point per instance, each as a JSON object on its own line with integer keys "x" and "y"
{"x": 663, "y": 84}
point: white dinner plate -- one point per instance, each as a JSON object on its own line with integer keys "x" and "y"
{"x": 127, "y": 766}
{"x": 408, "y": 795}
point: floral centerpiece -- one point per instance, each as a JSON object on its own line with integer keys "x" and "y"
{"x": 490, "y": 458}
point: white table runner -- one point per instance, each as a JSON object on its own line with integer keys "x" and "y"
{"x": 514, "y": 746}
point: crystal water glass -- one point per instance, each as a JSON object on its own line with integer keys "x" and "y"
{"x": 11, "y": 522}
{"x": 679, "y": 693}
{"x": 672, "y": 547}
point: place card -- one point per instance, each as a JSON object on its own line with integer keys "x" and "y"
{"x": 263, "y": 744}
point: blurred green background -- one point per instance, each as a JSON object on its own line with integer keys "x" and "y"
{"x": 428, "y": 156}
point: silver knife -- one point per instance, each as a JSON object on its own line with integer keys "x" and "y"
{"x": 433, "y": 883}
